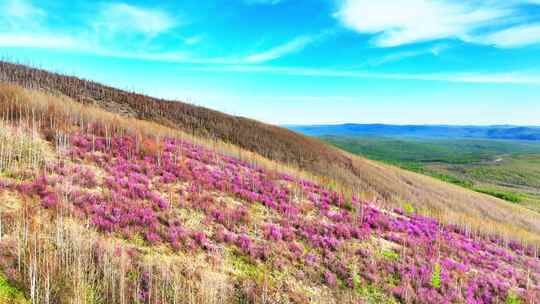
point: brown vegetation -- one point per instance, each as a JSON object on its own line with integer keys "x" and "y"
{"x": 269, "y": 141}
{"x": 57, "y": 258}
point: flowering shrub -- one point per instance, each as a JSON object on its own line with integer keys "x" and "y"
{"x": 273, "y": 232}
{"x": 143, "y": 186}
{"x": 330, "y": 279}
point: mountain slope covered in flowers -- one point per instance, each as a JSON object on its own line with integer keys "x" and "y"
{"x": 446, "y": 202}
{"x": 97, "y": 208}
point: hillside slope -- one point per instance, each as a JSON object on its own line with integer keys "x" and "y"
{"x": 369, "y": 179}
{"x": 98, "y": 208}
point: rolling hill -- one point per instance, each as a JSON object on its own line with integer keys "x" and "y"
{"x": 101, "y": 208}
{"x": 344, "y": 171}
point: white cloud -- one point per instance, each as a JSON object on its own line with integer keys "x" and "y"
{"x": 121, "y": 17}
{"x": 22, "y": 9}
{"x": 37, "y": 41}
{"x": 399, "y": 22}
{"x": 398, "y": 56}
{"x": 295, "y": 45}
{"x": 503, "y": 78}
{"x": 18, "y": 15}
{"x": 522, "y": 78}
{"x": 517, "y": 36}
{"x": 22, "y": 24}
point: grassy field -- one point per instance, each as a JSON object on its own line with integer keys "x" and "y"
{"x": 509, "y": 170}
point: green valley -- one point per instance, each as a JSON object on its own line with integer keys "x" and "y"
{"x": 507, "y": 169}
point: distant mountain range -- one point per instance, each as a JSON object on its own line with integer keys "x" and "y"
{"x": 422, "y": 131}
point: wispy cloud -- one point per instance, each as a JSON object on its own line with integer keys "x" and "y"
{"x": 293, "y": 46}
{"x": 20, "y": 14}
{"x": 22, "y": 9}
{"x": 400, "y": 22}
{"x": 129, "y": 31}
{"x": 38, "y": 41}
{"x": 517, "y": 36}
{"x": 523, "y": 78}
{"x": 399, "y": 56}
{"x": 22, "y": 24}
{"x": 122, "y": 18}
{"x": 117, "y": 30}
{"x": 502, "y": 78}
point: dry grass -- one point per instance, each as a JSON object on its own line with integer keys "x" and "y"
{"x": 269, "y": 141}
{"x": 55, "y": 116}
{"x": 20, "y": 150}
{"x": 61, "y": 261}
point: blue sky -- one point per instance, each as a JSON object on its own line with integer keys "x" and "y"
{"x": 298, "y": 61}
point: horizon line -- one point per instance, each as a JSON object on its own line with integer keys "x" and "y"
{"x": 407, "y": 125}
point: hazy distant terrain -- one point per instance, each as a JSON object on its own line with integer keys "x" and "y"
{"x": 423, "y": 131}
{"x": 502, "y": 161}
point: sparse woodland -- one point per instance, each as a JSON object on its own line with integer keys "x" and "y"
{"x": 142, "y": 206}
